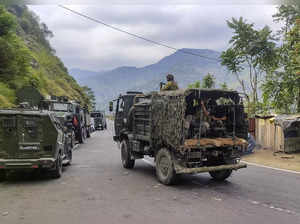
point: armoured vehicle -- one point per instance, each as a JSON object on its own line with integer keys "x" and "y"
{"x": 186, "y": 131}
{"x": 33, "y": 140}
{"x": 66, "y": 111}
{"x": 70, "y": 112}
{"x": 99, "y": 120}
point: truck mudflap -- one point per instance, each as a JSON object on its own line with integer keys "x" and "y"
{"x": 183, "y": 170}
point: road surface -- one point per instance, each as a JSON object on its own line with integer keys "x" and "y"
{"x": 96, "y": 189}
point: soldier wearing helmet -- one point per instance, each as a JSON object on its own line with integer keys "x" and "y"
{"x": 171, "y": 84}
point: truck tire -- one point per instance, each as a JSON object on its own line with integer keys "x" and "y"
{"x": 2, "y": 175}
{"x": 88, "y": 132}
{"x": 70, "y": 156}
{"x": 58, "y": 167}
{"x": 220, "y": 175}
{"x": 127, "y": 162}
{"x": 165, "y": 172}
{"x": 82, "y": 136}
{"x": 73, "y": 139}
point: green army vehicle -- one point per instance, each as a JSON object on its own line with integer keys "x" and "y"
{"x": 99, "y": 120}
{"x": 70, "y": 112}
{"x": 33, "y": 140}
{"x": 66, "y": 111}
{"x": 186, "y": 131}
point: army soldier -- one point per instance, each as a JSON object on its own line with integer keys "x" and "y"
{"x": 171, "y": 84}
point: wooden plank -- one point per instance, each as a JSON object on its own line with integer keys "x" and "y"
{"x": 216, "y": 142}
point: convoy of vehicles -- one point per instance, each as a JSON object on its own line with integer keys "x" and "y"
{"x": 41, "y": 134}
{"x": 186, "y": 131}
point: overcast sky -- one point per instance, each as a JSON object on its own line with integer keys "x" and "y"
{"x": 81, "y": 43}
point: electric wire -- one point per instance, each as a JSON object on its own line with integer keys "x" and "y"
{"x": 135, "y": 35}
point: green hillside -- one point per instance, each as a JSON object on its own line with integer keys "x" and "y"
{"x": 27, "y": 58}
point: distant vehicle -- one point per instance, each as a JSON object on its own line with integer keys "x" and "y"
{"x": 70, "y": 112}
{"x": 186, "y": 131}
{"x": 33, "y": 140}
{"x": 99, "y": 120}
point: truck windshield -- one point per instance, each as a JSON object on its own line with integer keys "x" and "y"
{"x": 96, "y": 115}
{"x": 60, "y": 107}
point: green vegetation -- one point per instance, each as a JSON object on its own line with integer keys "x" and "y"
{"x": 208, "y": 82}
{"x": 91, "y": 96}
{"x": 252, "y": 49}
{"x": 27, "y": 59}
{"x": 195, "y": 85}
{"x": 265, "y": 64}
{"x": 281, "y": 89}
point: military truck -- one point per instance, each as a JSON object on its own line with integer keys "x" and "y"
{"x": 186, "y": 131}
{"x": 70, "y": 112}
{"x": 99, "y": 120}
{"x": 66, "y": 111}
{"x": 33, "y": 140}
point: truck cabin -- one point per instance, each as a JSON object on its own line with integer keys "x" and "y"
{"x": 125, "y": 102}
{"x": 96, "y": 114}
{"x": 57, "y": 106}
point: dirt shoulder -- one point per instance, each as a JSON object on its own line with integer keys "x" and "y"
{"x": 267, "y": 157}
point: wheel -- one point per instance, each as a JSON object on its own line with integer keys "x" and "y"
{"x": 73, "y": 139}
{"x": 88, "y": 133}
{"x": 81, "y": 136}
{"x": 127, "y": 162}
{"x": 58, "y": 167}
{"x": 70, "y": 156}
{"x": 2, "y": 175}
{"x": 220, "y": 175}
{"x": 164, "y": 167}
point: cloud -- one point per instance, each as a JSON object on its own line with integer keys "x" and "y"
{"x": 84, "y": 44}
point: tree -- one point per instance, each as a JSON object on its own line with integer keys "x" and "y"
{"x": 208, "y": 81}
{"x": 91, "y": 96}
{"x": 195, "y": 85}
{"x": 224, "y": 86}
{"x": 287, "y": 14}
{"x": 251, "y": 51}
{"x": 7, "y": 22}
{"x": 281, "y": 90}
{"x": 14, "y": 55}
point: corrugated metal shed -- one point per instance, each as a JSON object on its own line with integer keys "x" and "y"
{"x": 274, "y": 135}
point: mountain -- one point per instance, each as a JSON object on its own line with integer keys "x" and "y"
{"x": 186, "y": 68}
{"x": 27, "y": 58}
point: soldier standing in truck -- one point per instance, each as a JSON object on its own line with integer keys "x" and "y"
{"x": 171, "y": 84}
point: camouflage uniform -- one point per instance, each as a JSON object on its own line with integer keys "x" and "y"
{"x": 171, "y": 84}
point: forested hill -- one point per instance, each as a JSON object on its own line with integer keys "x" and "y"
{"x": 27, "y": 58}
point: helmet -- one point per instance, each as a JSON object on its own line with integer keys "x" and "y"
{"x": 170, "y": 77}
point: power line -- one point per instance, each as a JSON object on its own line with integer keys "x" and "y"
{"x": 134, "y": 35}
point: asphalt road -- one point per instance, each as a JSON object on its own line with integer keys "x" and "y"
{"x": 96, "y": 189}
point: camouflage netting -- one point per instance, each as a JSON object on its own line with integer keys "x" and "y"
{"x": 168, "y": 111}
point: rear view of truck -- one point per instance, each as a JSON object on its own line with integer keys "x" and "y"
{"x": 187, "y": 131}
{"x": 32, "y": 140}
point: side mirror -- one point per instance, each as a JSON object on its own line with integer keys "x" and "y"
{"x": 111, "y": 106}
